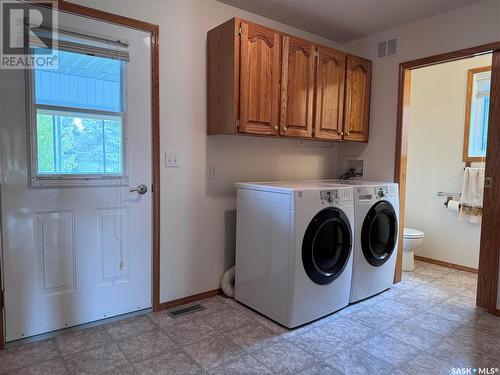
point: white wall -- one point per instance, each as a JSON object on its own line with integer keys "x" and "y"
{"x": 435, "y": 148}
{"x": 198, "y": 216}
{"x": 465, "y": 27}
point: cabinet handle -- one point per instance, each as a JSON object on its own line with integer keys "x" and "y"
{"x": 285, "y": 128}
{"x": 275, "y": 127}
{"x": 348, "y": 133}
{"x": 341, "y": 133}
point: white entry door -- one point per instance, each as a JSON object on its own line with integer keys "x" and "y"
{"x": 74, "y": 142}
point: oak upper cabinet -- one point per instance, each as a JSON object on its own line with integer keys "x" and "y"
{"x": 357, "y": 102}
{"x": 330, "y": 84}
{"x": 263, "y": 82}
{"x": 297, "y": 88}
{"x": 223, "y": 76}
{"x": 260, "y": 69}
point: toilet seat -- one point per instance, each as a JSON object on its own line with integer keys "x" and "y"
{"x": 412, "y": 233}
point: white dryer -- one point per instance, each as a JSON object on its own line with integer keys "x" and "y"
{"x": 376, "y": 213}
{"x": 294, "y": 245}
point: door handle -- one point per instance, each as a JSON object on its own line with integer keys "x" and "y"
{"x": 141, "y": 189}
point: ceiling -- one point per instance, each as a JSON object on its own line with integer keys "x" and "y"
{"x": 346, "y": 20}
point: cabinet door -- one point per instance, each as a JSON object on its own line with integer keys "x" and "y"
{"x": 330, "y": 81}
{"x": 260, "y": 69}
{"x": 359, "y": 74}
{"x": 297, "y": 82}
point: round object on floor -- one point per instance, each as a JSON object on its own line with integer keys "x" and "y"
{"x": 227, "y": 282}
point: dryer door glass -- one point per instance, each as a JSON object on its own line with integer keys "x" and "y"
{"x": 326, "y": 246}
{"x": 379, "y": 233}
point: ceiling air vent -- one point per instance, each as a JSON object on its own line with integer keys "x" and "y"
{"x": 387, "y": 48}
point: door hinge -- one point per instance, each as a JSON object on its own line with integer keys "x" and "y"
{"x": 239, "y": 31}
{"x": 2, "y": 299}
{"x": 488, "y": 182}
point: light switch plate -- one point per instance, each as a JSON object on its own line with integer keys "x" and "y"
{"x": 212, "y": 171}
{"x": 172, "y": 159}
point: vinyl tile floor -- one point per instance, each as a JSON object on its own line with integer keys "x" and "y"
{"x": 427, "y": 324}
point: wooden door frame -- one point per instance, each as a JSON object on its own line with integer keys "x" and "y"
{"x": 154, "y": 31}
{"x": 490, "y": 242}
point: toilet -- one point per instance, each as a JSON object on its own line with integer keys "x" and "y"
{"x": 412, "y": 239}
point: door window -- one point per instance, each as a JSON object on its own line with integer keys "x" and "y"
{"x": 78, "y": 121}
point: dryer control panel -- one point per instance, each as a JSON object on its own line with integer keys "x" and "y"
{"x": 376, "y": 192}
{"x": 381, "y": 191}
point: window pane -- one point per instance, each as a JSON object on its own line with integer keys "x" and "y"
{"x": 480, "y": 104}
{"x": 483, "y": 85}
{"x": 478, "y": 135}
{"x": 81, "y": 81}
{"x": 484, "y": 135}
{"x": 77, "y": 143}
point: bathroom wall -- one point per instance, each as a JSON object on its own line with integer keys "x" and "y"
{"x": 435, "y": 147}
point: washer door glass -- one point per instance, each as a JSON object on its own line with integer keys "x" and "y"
{"x": 379, "y": 233}
{"x": 326, "y": 246}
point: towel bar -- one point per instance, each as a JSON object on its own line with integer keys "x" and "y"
{"x": 445, "y": 194}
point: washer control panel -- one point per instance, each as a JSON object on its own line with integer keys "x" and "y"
{"x": 330, "y": 196}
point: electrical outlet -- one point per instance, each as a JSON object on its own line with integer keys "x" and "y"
{"x": 172, "y": 159}
{"x": 212, "y": 171}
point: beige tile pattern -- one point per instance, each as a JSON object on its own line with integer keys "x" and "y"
{"x": 27, "y": 355}
{"x": 174, "y": 362}
{"x": 244, "y": 365}
{"x": 213, "y": 352}
{"x": 52, "y": 367}
{"x": 284, "y": 358}
{"x": 131, "y": 327}
{"x": 150, "y": 344}
{"x": 428, "y": 324}
{"x": 77, "y": 341}
{"x": 104, "y": 359}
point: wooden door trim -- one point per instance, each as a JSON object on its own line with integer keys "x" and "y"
{"x": 154, "y": 31}
{"x": 489, "y": 255}
{"x": 401, "y": 157}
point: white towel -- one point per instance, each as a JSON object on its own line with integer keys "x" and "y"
{"x": 471, "y": 199}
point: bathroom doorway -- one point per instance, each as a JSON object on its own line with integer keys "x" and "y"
{"x": 446, "y": 145}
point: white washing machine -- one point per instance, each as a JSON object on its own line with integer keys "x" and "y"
{"x": 294, "y": 244}
{"x": 376, "y": 223}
